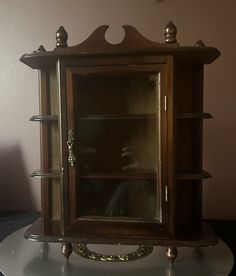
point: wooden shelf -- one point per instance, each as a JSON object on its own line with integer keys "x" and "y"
{"x": 54, "y": 118}
{"x": 52, "y": 233}
{"x": 121, "y": 175}
{"x": 44, "y": 118}
{"x": 150, "y": 175}
{"x": 46, "y": 174}
{"x": 118, "y": 117}
{"x": 193, "y": 176}
{"x": 194, "y": 116}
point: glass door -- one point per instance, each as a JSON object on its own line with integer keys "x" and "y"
{"x": 115, "y": 116}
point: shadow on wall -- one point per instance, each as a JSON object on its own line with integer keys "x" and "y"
{"x": 15, "y": 193}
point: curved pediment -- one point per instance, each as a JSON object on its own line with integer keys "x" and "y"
{"x": 97, "y": 42}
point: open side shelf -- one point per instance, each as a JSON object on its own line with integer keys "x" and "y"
{"x": 193, "y": 176}
{"x": 194, "y": 116}
{"x": 44, "y": 118}
{"x": 46, "y": 174}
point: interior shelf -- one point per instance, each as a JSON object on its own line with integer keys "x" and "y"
{"x": 143, "y": 116}
{"x": 193, "y": 176}
{"x": 120, "y": 175}
{"x": 151, "y": 175}
{"x": 117, "y": 116}
{"x": 44, "y": 118}
{"x": 194, "y": 116}
{"x": 46, "y": 174}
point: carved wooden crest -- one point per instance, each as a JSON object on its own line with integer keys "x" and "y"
{"x": 97, "y": 42}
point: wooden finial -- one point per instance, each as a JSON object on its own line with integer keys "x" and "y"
{"x": 61, "y": 37}
{"x": 44, "y": 250}
{"x": 41, "y": 49}
{"x": 170, "y": 33}
{"x": 171, "y": 254}
{"x": 200, "y": 43}
{"x": 66, "y": 249}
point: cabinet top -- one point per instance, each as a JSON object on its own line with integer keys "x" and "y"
{"x": 133, "y": 44}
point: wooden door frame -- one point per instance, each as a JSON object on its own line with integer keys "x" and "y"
{"x": 69, "y": 67}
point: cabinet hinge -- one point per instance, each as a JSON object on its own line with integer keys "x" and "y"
{"x": 166, "y": 193}
{"x": 165, "y": 102}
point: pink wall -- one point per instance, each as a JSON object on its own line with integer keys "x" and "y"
{"x": 26, "y": 24}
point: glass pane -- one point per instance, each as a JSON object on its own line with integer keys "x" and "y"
{"x": 131, "y": 198}
{"x": 117, "y": 125}
{"x": 126, "y": 145}
{"x": 116, "y": 95}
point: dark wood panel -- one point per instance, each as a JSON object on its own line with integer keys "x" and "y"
{"x": 189, "y": 86}
{"x": 46, "y": 194}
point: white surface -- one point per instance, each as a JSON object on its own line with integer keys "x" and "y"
{"x": 24, "y": 258}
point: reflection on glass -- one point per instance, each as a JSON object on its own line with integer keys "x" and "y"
{"x": 117, "y": 145}
{"x": 119, "y": 198}
{"x": 118, "y": 122}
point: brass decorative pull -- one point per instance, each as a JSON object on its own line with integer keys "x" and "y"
{"x": 82, "y": 250}
{"x": 70, "y": 144}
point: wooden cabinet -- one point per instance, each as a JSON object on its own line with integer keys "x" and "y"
{"x": 121, "y": 141}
